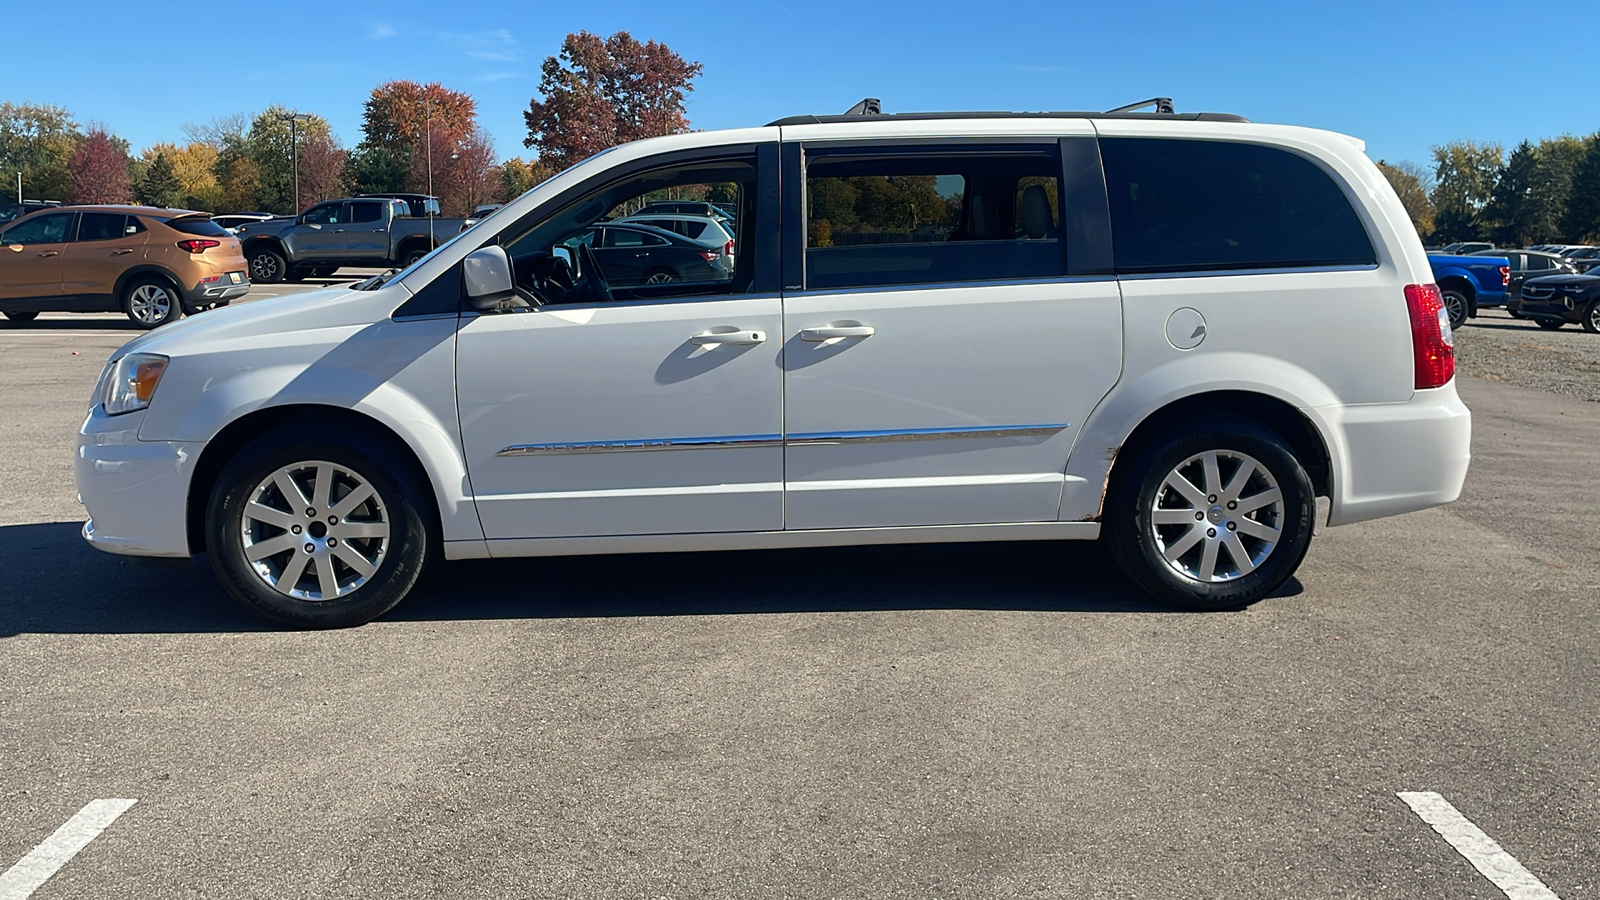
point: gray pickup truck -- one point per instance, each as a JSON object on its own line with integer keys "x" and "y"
{"x": 359, "y": 231}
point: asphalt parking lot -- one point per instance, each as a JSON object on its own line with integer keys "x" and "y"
{"x": 1002, "y": 720}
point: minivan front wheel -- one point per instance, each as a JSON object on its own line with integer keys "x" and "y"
{"x": 316, "y": 534}
{"x": 150, "y": 303}
{"x": 1213, "y": 516}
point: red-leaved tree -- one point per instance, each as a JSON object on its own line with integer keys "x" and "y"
{"x": 601, "y": 92}
{"x": 100, "y": 170}
{"x": 398, "y": 114}
{"x": 321, "y": 169}
{"x": 473, "y": 177}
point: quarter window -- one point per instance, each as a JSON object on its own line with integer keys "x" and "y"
{"x": 1180, "y": 205}
{"x": 920, "y": 218}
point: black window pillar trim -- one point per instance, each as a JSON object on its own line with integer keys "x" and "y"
{"x": 792, "y": 186}
{"x": 1087, "y": 218}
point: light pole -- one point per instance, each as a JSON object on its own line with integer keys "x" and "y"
{"x": 294, "y": 119}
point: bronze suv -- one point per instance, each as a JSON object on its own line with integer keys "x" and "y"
{"x": 152, "y": 264}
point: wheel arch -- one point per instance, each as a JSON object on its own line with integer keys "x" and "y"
{"x": 1463, "y": 285}
{"x": 145, "y": 270}
{"x": 241, "y": 431}
{"x": 1281, "y": 397}
{"x": 269, "y": 243}
{"x": 410, "y": 244}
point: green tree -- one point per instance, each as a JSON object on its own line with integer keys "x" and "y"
{"x": 160, "y": 185}
{"x": 1582, "y": 221}
{"x": 1407, "y": 180}
{"x": 39, "y": 141}
{"x": 267, "y": 144}
{"x": 373, "y": 170}
{"x": 1465, "y": 175}
{"x": 1544, "y": 211}
{"x": 519, "y": 177}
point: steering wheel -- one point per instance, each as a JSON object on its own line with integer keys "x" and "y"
{"x": 589, "y": 270}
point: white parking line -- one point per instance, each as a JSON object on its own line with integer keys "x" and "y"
{"x": 1486, "y": 856}
{"x": 42, "y": 861}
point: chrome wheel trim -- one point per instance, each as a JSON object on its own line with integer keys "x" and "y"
{"x": 1457, "y": 307}
{"x": 660, "y": 278}
{"x": 264, "y": 266}
{"x": 150, "y": 303}
{"x": 1217, "y": 516}
{"x": 315, "y": 531}
{"x": 1594, "y": 316}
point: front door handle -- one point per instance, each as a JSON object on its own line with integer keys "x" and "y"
{"x": 48, "y": 253}
{"x": 830, "y": 332}
{"x": 713, "y": 339}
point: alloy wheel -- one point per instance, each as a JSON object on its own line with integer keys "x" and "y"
{"x": 660, "y": 278}
{"x": 264, "y": 267}
{"x": 1217, "y": 516}
{"x": 315, "y": 530}
{"x": 151, "y": 304}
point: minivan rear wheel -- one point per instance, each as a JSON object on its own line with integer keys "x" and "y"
{"x": 1212, "y": 516}
{"x": 316, "y": 533}
{"x": 151, "y": 302}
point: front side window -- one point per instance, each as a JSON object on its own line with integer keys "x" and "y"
{"x": 930, "y": 217}
{"x": 323, "y": 215}
{"x": 636, "y": 260}
{"x": 51, "y": 229}
{"x": 1182, "y": 206}
{"x": 98, "y": 226}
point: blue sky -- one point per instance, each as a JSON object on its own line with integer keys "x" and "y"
{"x": 1401, "y": 75}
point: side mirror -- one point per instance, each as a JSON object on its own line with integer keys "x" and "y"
{"x": 487, "y": 274}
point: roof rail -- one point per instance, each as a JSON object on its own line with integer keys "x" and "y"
{"x": 871, "y": 107}
{"x": 1163, "y": 107}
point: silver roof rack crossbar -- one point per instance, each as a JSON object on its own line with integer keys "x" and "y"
{"x": 1163, "y": 106}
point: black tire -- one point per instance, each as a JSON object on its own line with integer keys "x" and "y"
{"x": 410, "y": 257}
{"x": 1591, "y": 318}
{"x": 267, "y": 266}
{"x": 1133, "y": 503}
{"x": 1517, "y": 315}
{"x": 1455, "y": 303}
{"x": 399, "y": 504}
{"x": 1550, "y": 324}
{"x": 151, "y": 302}
{"x": 324, "y": 272}
{"x": 23, "y": 316}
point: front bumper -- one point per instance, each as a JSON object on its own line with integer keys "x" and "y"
{"x": 1395, "y": 458}
{"x": 1556, "y": 308}
{"x": 136, "y": 492}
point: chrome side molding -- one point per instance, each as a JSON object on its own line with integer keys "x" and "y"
{"x": 778, "y": 440}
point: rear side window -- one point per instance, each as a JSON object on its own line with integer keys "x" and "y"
{"x": 923, "y": 218}
{"x": 197, "y": 226}
{"x": 1183, "y": 206}
{"x": 97, "y": 226}
{"x": 366, "y": 211}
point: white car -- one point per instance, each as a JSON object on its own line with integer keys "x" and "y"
{"x": 1170, "y": 332}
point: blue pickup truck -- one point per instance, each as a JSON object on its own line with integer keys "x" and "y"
{"x": 1469, "y": 282}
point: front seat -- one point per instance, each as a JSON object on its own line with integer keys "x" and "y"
{"x": 1037, "y": 220}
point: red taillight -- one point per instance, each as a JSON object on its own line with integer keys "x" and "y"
{"x": 198, "y": 245}
{"x": 727, "y": 249}
{"x": 1505, "y": 275}
{"x": 707, "y": 255}
{"x": 1432, "y": 346}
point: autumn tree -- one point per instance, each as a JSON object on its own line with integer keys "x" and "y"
{"x": 39, "y": 141}
{"x": 100, "y": 170}
{"x": 472, "y": 178}
{"x": 194, "y": 167}
{"x": 321, "y": 169}
{"x": 267, "y": 144}
{"x": 241, "y": 185}
{"x": 1411, "y": 182}
{"x": 1582, "y": 221}
{"x": 518, "y": 177}
{"x": 396, "y": 114}
{"x": 600, "y": 92}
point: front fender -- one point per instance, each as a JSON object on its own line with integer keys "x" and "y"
{"x": 1132, "y": 402}
{"x": 400, "y": 374}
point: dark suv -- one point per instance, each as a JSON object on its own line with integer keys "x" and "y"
{"x": 1558, "y": 300}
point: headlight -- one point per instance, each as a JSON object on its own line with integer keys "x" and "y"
{"x": 133, "y": 382}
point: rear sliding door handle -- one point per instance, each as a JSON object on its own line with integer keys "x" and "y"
{"x": 830, "y": 332}
{"x": 713, "y": 339}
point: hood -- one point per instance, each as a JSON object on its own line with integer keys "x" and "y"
{"x": 257, "y": 320}
{"x": 1563, "y": 280}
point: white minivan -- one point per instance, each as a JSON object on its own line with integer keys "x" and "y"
{"x": 1168, "y": 332}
